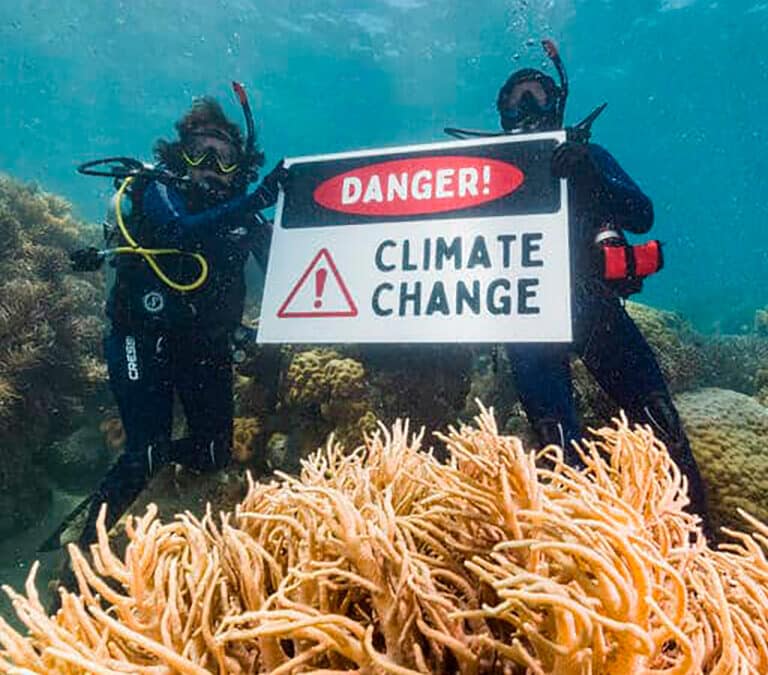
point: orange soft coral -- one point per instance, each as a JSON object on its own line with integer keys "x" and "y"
{"x": 386, "y": 560}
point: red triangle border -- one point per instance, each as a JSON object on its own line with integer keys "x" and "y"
{"x": 282, "y": 313}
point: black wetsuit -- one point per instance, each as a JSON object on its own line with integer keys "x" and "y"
{"x": 164, "y": 341}
{"x": 604, "y": 336}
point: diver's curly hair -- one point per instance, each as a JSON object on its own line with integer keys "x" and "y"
{"x": 205, "y": 114}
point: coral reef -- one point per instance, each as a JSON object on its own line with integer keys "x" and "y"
{"x": 305, "y": 394}
{"x": 49, "y": 330}
{"x": 688, "y": 359}
{"x": 113, "y": 433}
{"x": 386, "y": 560}
{"x": 384, "y": 380}
{"x": 729, "y": 437}
{"x": 323, "y": 392}
{"x": 761, "y": 384}
{"x": 307, "y": 381}
{"x": 761, "y": 322}
{"x": 427, "y": 383}
{"x": 736, "y": 361}
{"x": 78, "y": 461}
{"x": 680, "y": 352}
{"x": 678, "y": 347}
{"x": 244, "y": 435}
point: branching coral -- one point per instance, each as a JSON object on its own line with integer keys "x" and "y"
{"x": 761, "y": 322}
{"x": 49, "y": 337}
{"x": 44, "y": 218}
{"x": 385, "y": 560}
{"x": 44, "y": 314}
{"x": 737, "y": 360}
{"x": 761, "y": 385}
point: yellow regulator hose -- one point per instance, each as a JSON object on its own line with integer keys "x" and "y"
{"x": 149, "y": 253}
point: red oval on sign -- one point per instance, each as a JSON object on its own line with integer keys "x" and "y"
{"x": 407, "y": 187}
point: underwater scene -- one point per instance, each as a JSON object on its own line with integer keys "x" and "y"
{"x": 387, "y": 336}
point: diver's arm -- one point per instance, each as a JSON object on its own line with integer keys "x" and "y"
{"x": 165, "y": 207}
{"x": 262, "y": 240}
{"x": 264, "y": 196}
{"x": 622, "y": 201}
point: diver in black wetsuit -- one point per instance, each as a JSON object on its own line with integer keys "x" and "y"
{"x": 603, "y": 202}
{"x": 173, "y": 314}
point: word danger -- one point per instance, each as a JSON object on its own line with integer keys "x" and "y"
{"x": 419, "y": 185}
{"x": 503, "y": 295}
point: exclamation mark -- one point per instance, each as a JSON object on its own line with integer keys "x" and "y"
{"x": 487, "y": 180}
{"x": 320, "y": 276}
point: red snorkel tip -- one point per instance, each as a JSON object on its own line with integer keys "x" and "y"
{"x": 550, "y": 48}
{"x": 240, "y": 91}
{"x": 250, "y": 140}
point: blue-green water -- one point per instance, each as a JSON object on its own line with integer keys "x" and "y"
{"x": 685, "y": 80}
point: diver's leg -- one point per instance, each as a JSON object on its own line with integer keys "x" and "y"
{"x": 542, "y": 374}
{"x": 203, "y": 376}
{"x": 140, "y": 380}
{"x": 622, "y": 362}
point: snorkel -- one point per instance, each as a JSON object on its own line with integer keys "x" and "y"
{"x": 250, "y": 142}
{"x": 581, "y": 132}
{"x": 554, "y": 56}
{"x": 218, "y": 185}
{"x": 126, "y": 170}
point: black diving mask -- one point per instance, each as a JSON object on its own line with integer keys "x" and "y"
{"x": 528, "y": 105}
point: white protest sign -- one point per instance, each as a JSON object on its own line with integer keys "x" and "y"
{"x": 465, "y": 241}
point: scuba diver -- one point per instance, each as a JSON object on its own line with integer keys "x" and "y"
{"x": 184, "y": 230}
{"x": 603, "y": 203}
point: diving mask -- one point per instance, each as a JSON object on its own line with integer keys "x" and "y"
{"x": 207, "y": 157}
{"x": 211, "y": 149}
{"x": 527, "y": 103}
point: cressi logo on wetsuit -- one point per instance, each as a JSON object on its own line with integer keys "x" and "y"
{"x": 131, "y": 358}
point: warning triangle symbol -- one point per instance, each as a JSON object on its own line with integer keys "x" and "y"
{"x": 320, "y": 292}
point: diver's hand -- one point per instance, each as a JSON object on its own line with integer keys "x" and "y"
{"x": 266, "y": 194}
{"x": 277, "y": 178}
{"x": 572, "y": 160}
{"x": 86, "y": 259}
